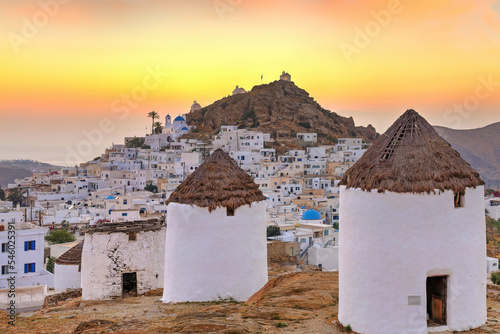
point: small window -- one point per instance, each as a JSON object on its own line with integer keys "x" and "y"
{"x": 4, "y": 247}
{"x": 229, "y": 212}
{"x": 124, "y": 214}
{"x": 458, "y": 199}
{"x": 29, "y": 245}
{"x": 29, "y": 268}
{"x": 5, "y": 270}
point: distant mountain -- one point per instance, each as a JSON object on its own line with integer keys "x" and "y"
{"x": 479, "y": 147}
{"x": 277, "y": 106}
{"x": 13, "y": 169}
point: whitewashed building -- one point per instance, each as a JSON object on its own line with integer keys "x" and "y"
{"x": 22, "y": 256}
{"x": 216, "y": 235}
{"x": 122, "y": 259}
{"x": 412, "y": 237}
{"x": 67, "y": 269}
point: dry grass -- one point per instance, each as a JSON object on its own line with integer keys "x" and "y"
{"x": 411, "y": 157}
{"x": 218, "y": 182}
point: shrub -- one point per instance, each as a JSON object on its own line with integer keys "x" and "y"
{"x": 249, "y": 114}
{"x": 59, "y": 237}
{"x": 152, "y": 188}
{"x": 495, "y": 278}
{"x": 50, "y": 264}
{"x": 305, "y": 125}
{"x": 281, "y": 324}
{"x": 273, "y": 231}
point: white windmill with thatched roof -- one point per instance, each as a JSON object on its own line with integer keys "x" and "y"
{"x": 216, "y": 235}
{"x": 412, "y": 236}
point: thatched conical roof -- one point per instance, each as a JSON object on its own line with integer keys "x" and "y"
{"x": 218, "y": 182}
{"x": 410, "y": 157}
{"x": 72, "y": 256}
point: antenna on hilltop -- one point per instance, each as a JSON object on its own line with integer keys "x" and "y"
{"x": 262, "y": 79}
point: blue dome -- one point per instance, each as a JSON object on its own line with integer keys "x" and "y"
{"x": 110, "y": 197}
{"x": 184, "y": 128}
{"x": 179, "y": 119}
{"x": 311, "y": 214}
{"x": 303, "y": 207}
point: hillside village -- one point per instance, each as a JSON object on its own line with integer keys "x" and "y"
{"x": 121, "y": 206}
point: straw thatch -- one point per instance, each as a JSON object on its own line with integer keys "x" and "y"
{"x": 410, "y": 157}
{"x": 72, "y": 256}
{"x": 218, "y": 182}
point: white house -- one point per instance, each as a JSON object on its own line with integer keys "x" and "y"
{"x": 493, "y": 207}
{"x": 22, "y": 252}
{"x": 216, "y": 235}
{"x": 67, "y": 269}
{"x": 412, "y": 237}
{"x": 307, "y": 137}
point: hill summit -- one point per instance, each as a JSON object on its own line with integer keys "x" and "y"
{"x": 279, "y": 106}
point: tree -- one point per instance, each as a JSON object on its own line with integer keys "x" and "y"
{"x": 50, "y": 264}
{"x": 152, "y": 188}
{"x": 2, "y": 194}
{"x": 59, "y": 237}
{"x": 154, "y": 115}
{"x": 273, "y": 231}
{"x": 158, "y": 127}
{"x": 136, "y": 142}
{"x": 16, "y": 196}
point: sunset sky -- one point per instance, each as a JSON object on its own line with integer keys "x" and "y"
{"x": 67, "y": 65}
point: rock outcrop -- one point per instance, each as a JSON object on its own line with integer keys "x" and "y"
{"x": 278, "y": 106}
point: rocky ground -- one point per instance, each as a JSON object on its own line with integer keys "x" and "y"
{"x": 297, "y": 302}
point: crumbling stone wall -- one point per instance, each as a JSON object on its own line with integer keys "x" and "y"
{"x": 108, "y": 254}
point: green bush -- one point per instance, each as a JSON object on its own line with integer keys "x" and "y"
{"x": 59, "y": 237}
{"x": 281, "y": 324}
{"x": 495, "y": 278}
{"x": 249, "y": 114}
{"x": 50, "y": 263}
{"x": 152, "y": 188}
{"x": 273, "y": 231}
{"x": 306, "y": 125}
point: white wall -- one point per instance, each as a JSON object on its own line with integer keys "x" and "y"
{"x": 22, "y": 256}
{"x": 493, "y": 211}
{"x": 67, "y": 277}
{"x": 491, "y": 264}
{"x": 390, "y": 243}
{"x": 328, "y": 257}
{"x": 106, "y": 256}
{"x": 210, "y": 255}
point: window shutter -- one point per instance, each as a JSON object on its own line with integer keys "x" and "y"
{"x": 26, "y": 268}
{"x": 32, "y": 267}
{"x": 33, "y": 246}
{"x": 26, "y": 246}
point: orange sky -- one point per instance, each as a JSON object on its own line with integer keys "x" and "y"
{"x": 68, "y": 64}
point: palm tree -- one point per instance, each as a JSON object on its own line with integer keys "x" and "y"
{"x": 158, "y": 127}
{"x": 153, "y": 114}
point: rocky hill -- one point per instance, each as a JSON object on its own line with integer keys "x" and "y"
{"x": 278, "y": 106}
{"x": 479, "y": 147}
